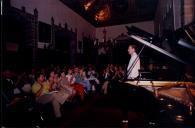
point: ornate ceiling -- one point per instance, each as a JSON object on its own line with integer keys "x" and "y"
{"x": 116, "y": 11}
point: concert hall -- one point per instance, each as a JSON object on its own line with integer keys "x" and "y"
{"x": 97, "y": 63}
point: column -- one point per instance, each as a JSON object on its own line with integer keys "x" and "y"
{"x": 35, "y": 40}
{"x": 52, "y": 33}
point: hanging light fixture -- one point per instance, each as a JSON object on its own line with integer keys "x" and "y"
{"x": 103, "y": 14}
{"x": 88, "y": 4}
{"x": 100, "y": 9}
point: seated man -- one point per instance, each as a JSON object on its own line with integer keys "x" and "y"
{"x": 41, "y": 90}
{"x": 13, "y": 102}
{"x": 84, "y": 81}
{"x": 11, "y": 94}
{"x": 80, "y": 78}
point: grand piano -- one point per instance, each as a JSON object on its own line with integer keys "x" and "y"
{"x": 177, "y": 51}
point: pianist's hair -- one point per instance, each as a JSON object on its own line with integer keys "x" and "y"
{"x": 133, "y": 46}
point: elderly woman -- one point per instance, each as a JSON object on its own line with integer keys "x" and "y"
{"x": 55, "y": 86}
{"x": 66, "y": 86}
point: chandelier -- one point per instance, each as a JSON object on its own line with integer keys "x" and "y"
{"x": 88, "y": 4}
{"x": 102, "y": 9}
{"x": 103, "y": 14}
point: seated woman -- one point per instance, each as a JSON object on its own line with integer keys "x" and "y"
{"x": 81, "y": 78}
{"x": 65, "y": 85}
{"x": 41, "y": 90}
{"x": 77, "y": 87}
{"x": 92, "y": 76}
{"x": 106, "y": 78}
{"x": 118, "y": 73}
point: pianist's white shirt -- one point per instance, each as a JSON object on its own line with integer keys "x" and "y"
{"x": 135, "y": 71}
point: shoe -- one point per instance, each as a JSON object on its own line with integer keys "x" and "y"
{"x": 124, "y": 124}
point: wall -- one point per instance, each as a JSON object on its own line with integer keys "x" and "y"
{"x": 189, "y": 11}
{"x": 177, "y": 14}
{"x": 61, "y": 13}
{"x": 173, "y": 14}
{"x": 116, "y": 30}
{"x": 164, "y": 17}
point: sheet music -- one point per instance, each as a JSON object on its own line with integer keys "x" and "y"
{"x": 52, "y": 92}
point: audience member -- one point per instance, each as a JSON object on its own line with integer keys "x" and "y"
{"x": 41, "y": 90}
{"x": 57, "y": 86}
{"x": 81, "y": 78}
{"x": 9, "y": 90}
{"x": 111, "y": 74}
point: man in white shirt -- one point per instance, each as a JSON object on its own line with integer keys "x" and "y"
{"x": 134, "y": 63}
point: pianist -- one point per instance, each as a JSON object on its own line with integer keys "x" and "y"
{"x": 134, "y": 63}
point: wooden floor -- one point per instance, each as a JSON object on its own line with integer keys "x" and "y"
{"x": 100, "y": 110}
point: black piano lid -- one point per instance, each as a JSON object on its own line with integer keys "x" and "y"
{"x": 171, "y": 39}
